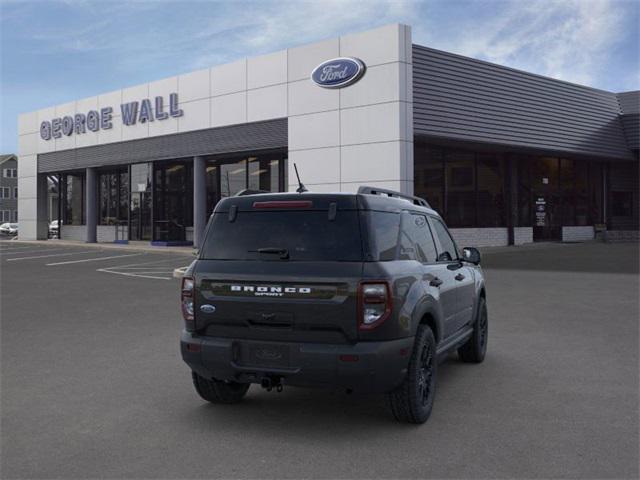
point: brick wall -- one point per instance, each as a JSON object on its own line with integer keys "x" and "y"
{"x": 74, "y": 232}
{"x": 480, "y": 237}
{"x": 614, "y": 236}
{"x": 107, "y": 233}
{"x": 577, "y": 234}
{"x": 522, "y": 235}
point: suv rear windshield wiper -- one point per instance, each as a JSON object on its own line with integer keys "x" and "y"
{"x": 283, "y": 252}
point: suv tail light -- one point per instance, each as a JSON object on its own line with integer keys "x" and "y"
{"x": 374, "y": 304}
{"x": 186, "y": 301}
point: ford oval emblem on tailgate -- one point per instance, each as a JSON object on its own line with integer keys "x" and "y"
{"x": 206, "y": 308}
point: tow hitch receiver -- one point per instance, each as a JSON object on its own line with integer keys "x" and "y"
{"x": 269, "y": 383}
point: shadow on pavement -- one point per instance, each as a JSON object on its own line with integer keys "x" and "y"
{"x": 570, "y": 257}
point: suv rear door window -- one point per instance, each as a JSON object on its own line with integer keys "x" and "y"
{"x": 303, "y": 234}
{"x": 448, "y": 246}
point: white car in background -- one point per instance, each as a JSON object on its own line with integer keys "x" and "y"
{"x": 54, "y": 229}
{"x": 9, "y": 228}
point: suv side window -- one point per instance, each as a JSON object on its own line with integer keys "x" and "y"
{"x": 448, "y": 246}
{"x": 416, "y": 241}
{"x": 385, "y": 227}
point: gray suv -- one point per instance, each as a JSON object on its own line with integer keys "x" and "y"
{"x": 362, "y": 292}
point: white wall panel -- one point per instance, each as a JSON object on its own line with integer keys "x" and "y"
{"x": 306, "y": 97}
{"x": 194, "y": 85}
{"x": 28, "y": 144}
{"x": 164, "y": 127}
{"x": 374, "y": 47}
{"x": 369, "y": 162}
{"x": 265, "y": 70}
{"x": 379, "y": 84}
{"x": 86, "y": 139}
{"x": 28, "y": 123}
{"x": 131, "y": 94}
{"x": 372, "y": 123}
{"x": 266, "y": 103}
{"x": 162, "y": 88}
{"x": 113, "y": 134}
{"x": 131, "y": 132}
{"x": 91, "y": 103}
{"x": 229, "y": 109}
{"x": 197, "y": 115}
{"x": 229, "y": 78}
{"x": 314, "y": 131}
{"x": 303, "y": 59}
{"x": 111, "y": 99}
{"x": 27, "y": 166}
{"x": 27, "y": 187}
{"x": 320, "y": 165}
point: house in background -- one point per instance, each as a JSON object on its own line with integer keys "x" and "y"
{"x": 9, "y": 188}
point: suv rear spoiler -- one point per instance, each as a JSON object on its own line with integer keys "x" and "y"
{"x": 392, "y": 193}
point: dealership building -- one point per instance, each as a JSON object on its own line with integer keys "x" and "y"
{"x": 506, "y": 156}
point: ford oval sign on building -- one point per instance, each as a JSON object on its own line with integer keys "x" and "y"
{"x": 338, "y": 73}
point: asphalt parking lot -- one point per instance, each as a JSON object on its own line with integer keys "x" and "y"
{"x": 93, "y": 385}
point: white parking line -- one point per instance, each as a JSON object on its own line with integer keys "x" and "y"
{"x": 39, "y": 250}
{"x": 92, "y": 259}
{"x": 126, "y": 274}
{"x": 143, "y": 270}
{"x": 52, "y": 255}
{"x": 16, "y": 249}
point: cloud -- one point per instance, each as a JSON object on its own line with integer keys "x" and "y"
{"x": 569, "y": 40}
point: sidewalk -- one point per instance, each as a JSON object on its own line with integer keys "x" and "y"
{"x": 131, "y": 246}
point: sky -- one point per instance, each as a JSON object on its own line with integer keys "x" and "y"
{"x": 55, "y": 51}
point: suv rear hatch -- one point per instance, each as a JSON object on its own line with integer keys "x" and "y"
{"x": 281, "y": 268}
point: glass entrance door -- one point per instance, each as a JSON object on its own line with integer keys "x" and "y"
{"x": 140, "y": 213}
{"x": 546, "y": 200}
{"x": 140, "y": 219}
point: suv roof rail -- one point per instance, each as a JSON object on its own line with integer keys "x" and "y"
{"x": 248, "y": 191}
{"x": 392, "y": 193}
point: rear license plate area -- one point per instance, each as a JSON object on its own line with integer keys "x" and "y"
{"x": 266, "y": 355}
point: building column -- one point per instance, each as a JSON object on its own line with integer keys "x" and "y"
{"x": 42, "y": 217}
{"x": 91, "y": 207}
{"x": 512, "y": 198}
{"x": 199, "y": 200}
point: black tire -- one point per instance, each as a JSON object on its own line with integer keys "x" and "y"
{"x": 474, "y": 350}
{"x": 217, "y": 391}
{"x": 412, "y": 401}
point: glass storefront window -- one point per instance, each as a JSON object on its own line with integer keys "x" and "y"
{"x": 113, "y": 198}
{"x": 491, "y": 199}
{"x": 523, "y": 165}
{"x": 140, "y": 201}
{"x": 429, "y": 176}
{"x": 581, "y": 172}
{"x": 228, "y": 176}
{"x": 73, "y": 199}
{"x": 233, "y": 178}
{"x": 173, "y": 201}
{"x": 596, "y": 188}
{"x": 460, "y": 177}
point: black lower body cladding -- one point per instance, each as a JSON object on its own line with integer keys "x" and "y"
{"x": 367, "y": 367}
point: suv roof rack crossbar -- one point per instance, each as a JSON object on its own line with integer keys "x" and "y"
{"x": 392, "y": 193}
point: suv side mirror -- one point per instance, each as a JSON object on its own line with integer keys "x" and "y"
{"x": 471, "y": 255}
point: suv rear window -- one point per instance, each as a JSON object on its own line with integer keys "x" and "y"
{"x": 305, "y": 235}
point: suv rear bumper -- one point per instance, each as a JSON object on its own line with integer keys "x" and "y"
{"x": 372, "y": 367}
